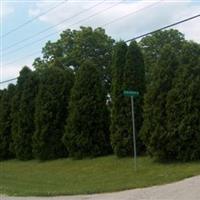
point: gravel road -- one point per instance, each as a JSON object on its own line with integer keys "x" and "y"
{"x": 188, "y": 189}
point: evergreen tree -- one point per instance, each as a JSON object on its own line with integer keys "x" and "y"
{"x": 134, "y": 80}
{"x": 128, "y": 74}
{"x": 15, "y": 145}
{"x": 6, "y": 121}
{"x": 118, "y": 140}
{"x": 154, "y": 129}
{"x": 183, "y": 107}
{"x": 23, "y": 142}
{"x": 87, "y": 133}
{"x": 51, "y": 112}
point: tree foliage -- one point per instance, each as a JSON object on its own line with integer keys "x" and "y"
{"x": 17, "y": 136}
{"x": 5, "y": 122}
{"x": 87, "y": 133}
{"x": 154, "y": 130}
{"x": 75, "y": 46}
{"x": 152, "y": 47}
{"x": 118, "y": 139}
{"x": 41, "y": 118}
{"x": 26, "y": 112}
{"x": 51, "y": 112}
{"x": 134, "y": 80}
{"x": 183, "y": 106}
{"x": 128, "y": 74}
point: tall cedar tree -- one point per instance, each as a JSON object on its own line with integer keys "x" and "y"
{"x": 154, "y": 129}
{"x": 128, "y": 74}
{"x": 134, "y": 80}
{"x": 119, "y": 140}
{"x": 51, "y": 112}
{"x": 26, "y": 127}
{"x": 183, "y": 106}
{"x": 15, "y": 146}
{"x": 5, "y": 122}
{"x": 87, "y": 133}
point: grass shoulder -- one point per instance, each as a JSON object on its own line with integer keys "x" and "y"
{"x": 104, "y": 174}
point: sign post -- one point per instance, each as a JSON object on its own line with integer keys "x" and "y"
{"x": 133, "y": 94}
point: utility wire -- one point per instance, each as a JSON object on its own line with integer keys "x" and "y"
{"x": 78, "y": 22}
{"x": 24, "y": 57}
{"x": 131, "y": 13}
{"x": 53, "y": 26}
{"x": 104, "y": 25}
{"x": 9, "y": 80}
{"x": 33, "y": 19}
{"x": 165, "y": 27}
{"x": 146, "y": 34}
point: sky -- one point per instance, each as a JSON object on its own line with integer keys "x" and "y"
{"x": 122, "y": 19}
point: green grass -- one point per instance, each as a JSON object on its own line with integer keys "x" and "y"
{"x": 105, "y": 174}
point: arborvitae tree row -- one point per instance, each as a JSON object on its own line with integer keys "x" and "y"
{"x": 154, "y": 130}
{"x": 87, "y": 129}
{"x": 26, "y": 112}
{"x": 18, "y": 139}
{"x": 51, "y": 112}
{"x": 6, "y": 121}
{"x": 183, "y": 108}
{"x": 118, "y": 140}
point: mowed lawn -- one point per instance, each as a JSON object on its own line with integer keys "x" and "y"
{"x": 105, "y": 174}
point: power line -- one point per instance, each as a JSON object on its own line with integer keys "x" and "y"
{"x": 143, "y": 35}
{"x": 104, "y": 25}
{"x": 33, "y": 19}
{"x": 168, "y": 26}
{"x": 165, "y": 27}
{"x": 9, "y": 80}
{"x": 53, "y": 26}
{"x": 24, "y": 57}
{"x": 129, "y": 14}
{"x": 78, "y": 22}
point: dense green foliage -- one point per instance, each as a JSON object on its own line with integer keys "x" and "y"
{"x": 171, "y": 120}
{"x": 87, "y": 132}
{"x": 183, "y": 108}
{"x": 154, "y": 127}
{"x": 18, "y": 137}
{"x": 26, "y": 110}
{"x": 75, "y": 46}
{"x": 152, "y": 46}
{"x": 51, "y": 112}
{"x": 128, "y": 74}
{"x": 37, "y": 120}
{"x": 118, "y": 139}
{"x": 5, "y": 122}
{"x": 134, "y": 80}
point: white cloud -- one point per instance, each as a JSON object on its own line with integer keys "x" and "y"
{"x": 148, "y": 19}
{"x": 6, "y": 9}
{"x": 140, "y": 22}
{"x": 34, "y": 12}
{"x": 12, "y": 70}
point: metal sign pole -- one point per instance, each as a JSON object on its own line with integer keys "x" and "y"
{"x": 134, "y": 138}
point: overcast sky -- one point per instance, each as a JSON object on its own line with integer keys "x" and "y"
{"x": 131, "y": 18}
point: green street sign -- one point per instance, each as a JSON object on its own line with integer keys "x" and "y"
{"x": 131, "y": 93}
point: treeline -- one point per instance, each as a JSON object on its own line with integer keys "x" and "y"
{"x": 72, "y": 104}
